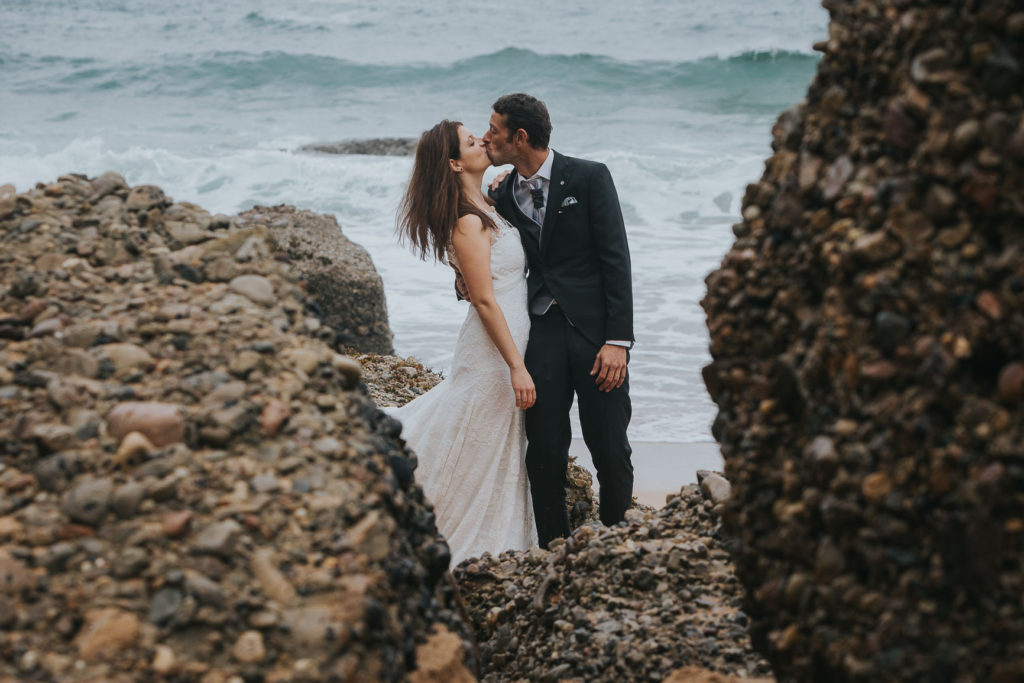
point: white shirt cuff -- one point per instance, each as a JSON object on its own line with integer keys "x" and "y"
{"x": 617, "y": 342}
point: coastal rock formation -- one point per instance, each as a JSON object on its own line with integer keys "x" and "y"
{"x": 193, "y": 485}
{"x": 347, "y": 289}
{"x": 654, "y": 598}
{"x": 868, "y": 355}
{"x": 389, "y": 147}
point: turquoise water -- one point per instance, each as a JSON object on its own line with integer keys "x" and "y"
{"x": 211, "y": 101}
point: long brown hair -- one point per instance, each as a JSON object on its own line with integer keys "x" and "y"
{"x": 434, "y": 201}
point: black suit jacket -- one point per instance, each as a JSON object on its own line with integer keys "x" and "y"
{"x": 581, "y": 256}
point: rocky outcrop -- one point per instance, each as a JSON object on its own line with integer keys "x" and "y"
{"x": 866, "y": 335}
{"x": 346, "y": 288}
{"x": 193, "y": 485}
{"x": 391, "y": 147}
{"x": 394, "y": 381}
{"x": 651, "y": 599}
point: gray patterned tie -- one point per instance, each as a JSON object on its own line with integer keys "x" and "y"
{"x": 536, "y": 186}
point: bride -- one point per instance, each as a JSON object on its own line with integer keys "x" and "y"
{"x": 468, "y": 431}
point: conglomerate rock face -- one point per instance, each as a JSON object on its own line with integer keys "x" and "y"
{"x": 193, "y": 484}
{"x": 338, "y": 273}
{"x": 867, "y": 335}
{"x": 635, "y": 602}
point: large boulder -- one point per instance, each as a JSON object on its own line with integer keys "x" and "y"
{"x": 233, "y": 506}
{"x": 338, "y": 273}
{"x": 867, "y": 344}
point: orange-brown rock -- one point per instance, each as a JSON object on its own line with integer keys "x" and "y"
{"x": 273, "y": 416}
{"x": 106, "y": 632}
{"x": 441, "y": 660}
{"x": 161, "y": 423}
{"x": 695, "y": 674}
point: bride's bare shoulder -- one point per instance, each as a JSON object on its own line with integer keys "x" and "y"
{"x": 469, "y": 225}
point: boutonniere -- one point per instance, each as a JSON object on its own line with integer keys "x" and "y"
{"x": 569, "y": 201}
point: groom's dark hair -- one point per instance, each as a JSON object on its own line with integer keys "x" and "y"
{"x": 527, "y": 112}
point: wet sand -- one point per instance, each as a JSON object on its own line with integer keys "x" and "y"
{"x": 659, "y": 468}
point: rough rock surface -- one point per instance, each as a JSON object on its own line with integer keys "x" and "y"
{"x": 394, "y": 381}
{"x": 192, "y": 484}
{"x": 868, "y": 355}
{"x": 393, "y": 147}
{"x": 638, "y": 601}
{"x": 347, "y": 289}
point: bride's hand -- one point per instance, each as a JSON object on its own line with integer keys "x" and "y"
{"x": 522, "y": 384}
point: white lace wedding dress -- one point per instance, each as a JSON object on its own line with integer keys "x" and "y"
{"x": 467, "y": 432}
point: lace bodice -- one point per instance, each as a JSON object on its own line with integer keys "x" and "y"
{"x": 508, "y": 261}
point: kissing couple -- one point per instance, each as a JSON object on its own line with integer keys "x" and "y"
{"x": 544, "y": 262}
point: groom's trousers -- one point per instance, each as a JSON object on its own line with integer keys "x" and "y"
{"x": 559, "y": 360}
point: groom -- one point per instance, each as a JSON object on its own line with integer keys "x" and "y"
{"x": 581, "y": 309}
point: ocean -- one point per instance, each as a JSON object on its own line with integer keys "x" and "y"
{"x": 211, "y": 101}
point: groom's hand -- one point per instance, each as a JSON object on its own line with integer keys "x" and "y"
{"x": 610, "y": 367}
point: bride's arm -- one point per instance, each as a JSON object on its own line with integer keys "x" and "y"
{"x": 472, "y": 242}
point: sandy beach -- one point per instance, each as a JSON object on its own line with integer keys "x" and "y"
{"x": 660, "y": 468}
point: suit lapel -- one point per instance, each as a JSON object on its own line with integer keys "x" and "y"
{"x": 560, "y": 172}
